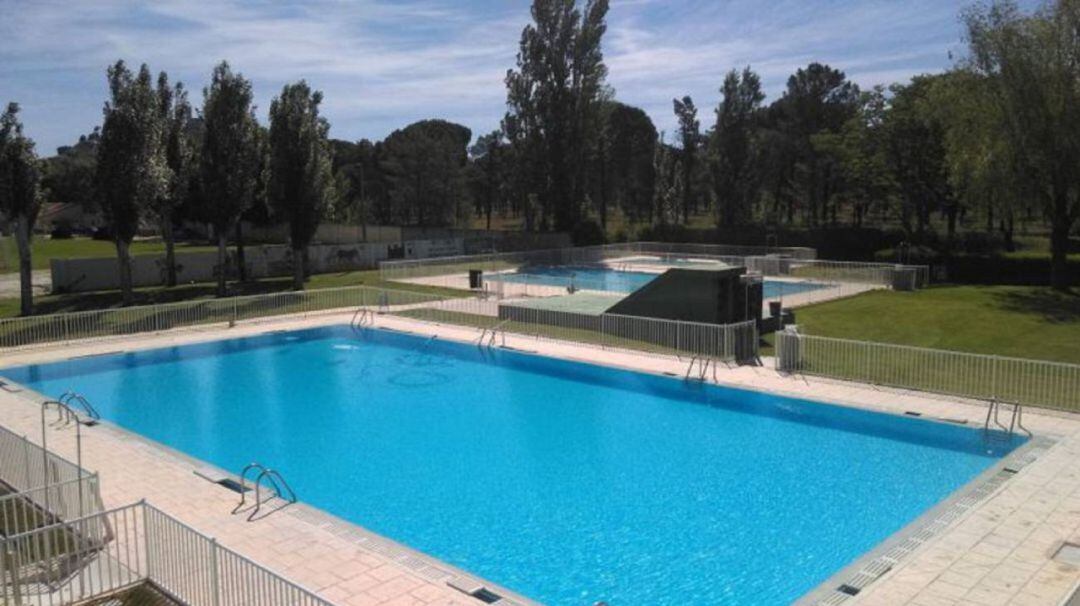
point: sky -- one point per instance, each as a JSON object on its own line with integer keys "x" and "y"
{"x": 383, "y": 64}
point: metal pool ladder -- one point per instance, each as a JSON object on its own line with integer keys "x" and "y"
{"x": 282, "y": 490}
{"x": 487, "y": 338}
{"x": 1016, "y": 421}
{"x": 71, "y": 399}
{"x": 703, "y": 363}
{"x": 363, "y": 317}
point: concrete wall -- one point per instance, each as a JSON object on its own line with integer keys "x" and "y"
{"x": 82, "y": 275}
{"x": 476, "y": 240}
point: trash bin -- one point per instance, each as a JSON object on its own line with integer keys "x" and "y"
{"x": 903, "y": 278}
{"x": 476, "y": 279}
{"x": 774, "y": 308}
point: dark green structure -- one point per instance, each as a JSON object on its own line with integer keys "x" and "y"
{"x": 709, "y": 296}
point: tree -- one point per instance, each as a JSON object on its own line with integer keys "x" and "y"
{"x": 626, "y": 174}
{"x": 424, "y": 164}
{"x": 359, "y": 182}
{"x": 487, "y": 174}
{"x": 690, "y": 138}
{"x": 301, "y": 186}
{"x": 817, "y": 99}
{"x": 177, "y": 151}
{"x": 230, "y": 158}
{"x": 553, "y": 101}
{"x": 667, "y": 193}
{"x": 915, "y": 140}
{"x": 860, "y": 151}
{"x": 983, "y": 168}
{"x": 1031, "y": 63}
{"x": 735, "y": 180}
{"x": 20, "y": 201}
{"x": 69, "y": 175}
{"x": 131, "y": 172}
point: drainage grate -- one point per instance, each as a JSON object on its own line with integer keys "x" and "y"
{"x": 848, "y": 589}
{"x": 1068, "y": 553}
{"x": 232, "y": 485}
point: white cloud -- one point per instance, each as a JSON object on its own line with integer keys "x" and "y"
{"x": 383, "y": 63}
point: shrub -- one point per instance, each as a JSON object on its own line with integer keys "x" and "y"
{"x": 587, "y": 233}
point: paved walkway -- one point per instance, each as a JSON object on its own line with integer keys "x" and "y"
{"x": 999, "y": 552}
{"x": 9, "y": 283}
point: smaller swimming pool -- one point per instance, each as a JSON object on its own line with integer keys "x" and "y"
{"x": 612, "y": 280}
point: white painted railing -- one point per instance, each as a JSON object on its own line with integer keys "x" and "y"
{"x": 1029, "y": 382}
{"x": 791, "y": 263}
{"x": 25, "y": 465}
{"x": 36, "y": 507}
{"x": 132, "y": 546}
{"x": 34, "y": 330}
{"x": 728, "y": 342}
{"x": 666, "y": 337}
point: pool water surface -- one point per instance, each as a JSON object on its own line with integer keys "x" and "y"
{"x": 569, "y": 483}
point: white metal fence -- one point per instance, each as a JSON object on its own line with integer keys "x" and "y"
{"x": 36, "y": 507}
{"x": 134, "y": 546}
{"x": 33, "y": 330}
{"x": 789, "y": 264}
{"x": 728, "y": 342}
{"x": 582, "y": 255}
{"x": 668, "y": 337}
{"x": 25, "y": 465}
{"x": 1029, "y": 382}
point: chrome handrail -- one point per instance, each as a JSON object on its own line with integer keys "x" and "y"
{"x": 268, "y": 474}
{"x": 71, "y": 397}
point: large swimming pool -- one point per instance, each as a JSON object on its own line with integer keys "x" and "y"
{"x": 567, "y": 482}
{"x": 611, "y": 280}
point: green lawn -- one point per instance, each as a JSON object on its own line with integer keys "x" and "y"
{"x": 187, "y": 292}
{"x": 44, "y": 249}
{"x": 1024, "y": 322}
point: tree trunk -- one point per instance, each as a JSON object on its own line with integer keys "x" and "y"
{"x": 222, "y": 260}
{"x": 241, "y": 266}
{"x": 26, "y": 287}
{"x": 298, "y": 268}
{"x": 1059, "y": 249}
{"x": 951, "y": 212}
{"x": 170, "y": 251}
{"x": 123, "y": 256}
{"x": 1008, "y": 229}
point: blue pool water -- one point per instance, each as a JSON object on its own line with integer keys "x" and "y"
{"x": 595, "y": 278}
{"x": 567, "y": 482}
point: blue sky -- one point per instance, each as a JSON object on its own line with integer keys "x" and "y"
{"x": 385, "y": 63}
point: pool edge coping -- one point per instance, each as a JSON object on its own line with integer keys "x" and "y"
{"x": 1046, "y": 439}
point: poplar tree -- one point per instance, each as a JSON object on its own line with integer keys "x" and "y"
{"x": 20, "y": 201}
{"x": 301, "y": 186}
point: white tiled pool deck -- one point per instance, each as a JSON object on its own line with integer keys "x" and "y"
{"x": 998, "y": 552}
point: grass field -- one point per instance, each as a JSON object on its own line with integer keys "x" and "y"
{"x": 45, "y": 249}
{"x": 1024, "y": 322}
{"x": 189, "y": 292}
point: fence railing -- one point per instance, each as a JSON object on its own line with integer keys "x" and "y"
{"x": 45, "y": 505}
{"x": 124, "y": 548}
{"x": 667, "y": 337}
{"x": 33, "y": 330}
{"x": 1029, "y": 382}
{"x": 798, "y": 264}
{"x": 581, "y": 255}
{"x": 729, "y": 342}
{"x": 25, "y": 465}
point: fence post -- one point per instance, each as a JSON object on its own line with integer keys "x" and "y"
{"x": 235, "y": 312}
{"x": 995, "y": 362}
{"x": 26, "y": 462}
{"x": 146, "y": 539}
{"x": 214, "y": 581}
